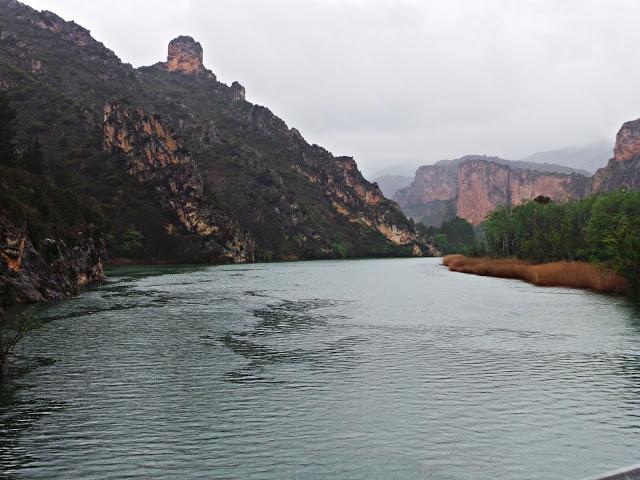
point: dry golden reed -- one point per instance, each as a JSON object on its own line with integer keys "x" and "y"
{"x": 556, "y": 274}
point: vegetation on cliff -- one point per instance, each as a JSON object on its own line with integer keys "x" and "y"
{"x": 50, "y": 236}
{"x": 274, "y": 195}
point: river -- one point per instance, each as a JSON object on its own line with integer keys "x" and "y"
{"x": 365, "y": 369}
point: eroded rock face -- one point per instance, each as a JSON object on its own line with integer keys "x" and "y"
{"x": 185, "y": 55}
{"x": 623, "y": 170}
{"x": 53, "y": 272}
{"x": 627, "y": 142}
{"x": 483, "y": 186}
{"x": 472, "y": 187}
{"x": 431, "y": 182}
{"x": 156, "y": 156}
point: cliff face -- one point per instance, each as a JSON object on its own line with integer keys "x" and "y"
{"x": 185, "y": 55}
{"x": 155, "y": 156}
{"x": 473, "y": 186}
{"x": 55, "y": 271}
{"x": 623, "y": 170}
{"x": 483, "y": 186}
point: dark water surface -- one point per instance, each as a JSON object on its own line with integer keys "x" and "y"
{"x": 372, "y": 369}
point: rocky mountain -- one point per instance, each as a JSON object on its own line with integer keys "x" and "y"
{"x": 472, "y": 186}
{"x": 174, "y": 165}
{"x": 623, "y": 170}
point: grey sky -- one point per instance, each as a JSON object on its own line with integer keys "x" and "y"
{"x": 404, "y": 81}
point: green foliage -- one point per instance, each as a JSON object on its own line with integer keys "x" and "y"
{"x": 454, "y": 236}
{"x": 613, "y": 231}
{"x": 603, "y": 228}
{"x": 442, "y": 243}
{"x": 341, "y": 250}
{"x": 131, "y": 244}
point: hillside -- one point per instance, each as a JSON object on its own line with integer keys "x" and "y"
{"x": 178, "y": 166}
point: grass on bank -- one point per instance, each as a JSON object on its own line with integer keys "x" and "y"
{"x": 582, "y": 275}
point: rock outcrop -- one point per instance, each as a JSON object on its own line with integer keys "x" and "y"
{"x": 473, "y": 186}
{"x": 53, "y": 272}
{"x": 157, "y": 157}
{"x": 627, "y": 145}
{"x": 623, "y": 170}
{"x": 483, "y": 186}
{"x": 185, "y": 56}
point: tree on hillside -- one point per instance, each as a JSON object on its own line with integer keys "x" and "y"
{"x": 7, "y": 132}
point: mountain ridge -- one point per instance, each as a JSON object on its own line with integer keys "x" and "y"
{"x": 179, "y": 166}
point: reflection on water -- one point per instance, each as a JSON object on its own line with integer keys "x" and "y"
{"x": 350, "y": 370}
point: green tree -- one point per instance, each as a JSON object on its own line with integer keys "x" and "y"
{"x": 132, "y": 243}
{"x": 7, "y": 132}
{"x": 442, "y": 243}
{"x": 613, "y": 232}
{"x": 459, "y": 232}
{"x": 603, "y": 228}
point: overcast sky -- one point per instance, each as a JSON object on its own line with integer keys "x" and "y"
{"x": 404, "y": 81}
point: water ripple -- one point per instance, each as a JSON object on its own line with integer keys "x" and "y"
{"x": 351, "y": 370}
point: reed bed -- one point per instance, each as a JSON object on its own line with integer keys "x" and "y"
{"x": 582, "y": 275}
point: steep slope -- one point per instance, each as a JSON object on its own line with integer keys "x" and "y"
{"x": 623, "y": 170}
{"x": 297, "y": 199}
{"x": 156, "y": 157}
{"x": 244, "y": 173}
{"x": 482, "y": 186}
{"x": 49, "y": 241}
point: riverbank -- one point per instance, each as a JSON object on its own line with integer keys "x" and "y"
{"x": 582, "y": 275}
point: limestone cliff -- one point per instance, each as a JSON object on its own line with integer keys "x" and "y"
{"x": 483, "y": 186}
{"x": 185, "y": 55}
{"x": 473, "y": 186}
{"x": 623, "y": 170}
{"x": 53, "y": 271}
{"x": 157, "y": 157}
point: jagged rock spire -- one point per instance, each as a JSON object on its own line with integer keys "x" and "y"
{"x": 185, "y": 55}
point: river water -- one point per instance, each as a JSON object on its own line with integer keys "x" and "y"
{"x": 368, "y": 369}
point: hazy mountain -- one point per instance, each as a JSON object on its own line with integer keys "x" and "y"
{"x": 389, "y": 184}
{"x": 589, "y": 157}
